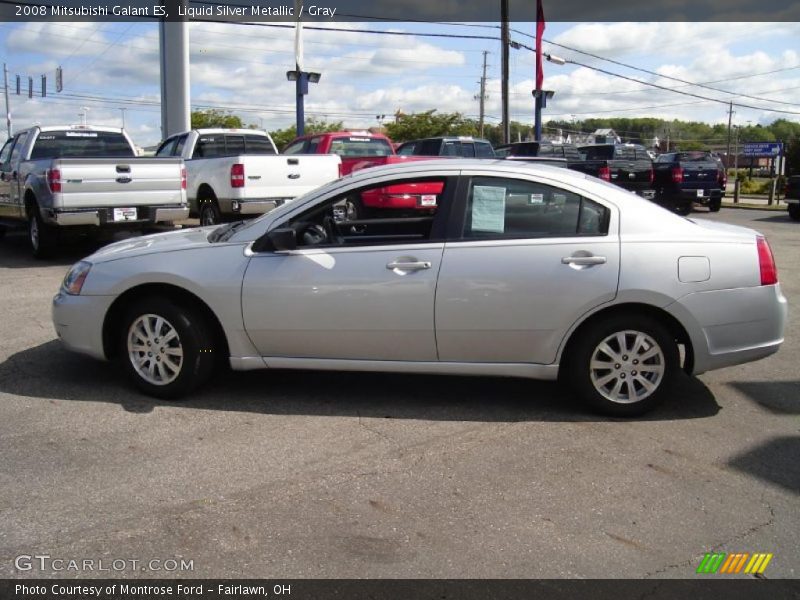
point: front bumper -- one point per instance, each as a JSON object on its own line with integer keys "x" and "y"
{"x": 102, "y": 217}
{"x": 78, "y": 321}
{"x": 733, "y": 326}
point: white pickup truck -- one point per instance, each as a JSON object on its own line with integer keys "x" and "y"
{"x": 83, "y": 179}
{"x": 238, "y": 172}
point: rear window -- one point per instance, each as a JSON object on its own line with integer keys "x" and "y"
{"x": 694, "y": 156}
{"x": 598, "y": 152}
{"x": 81, "y": 144}
{"x": 483, "y": 150}
{"x": 360, "y": 146}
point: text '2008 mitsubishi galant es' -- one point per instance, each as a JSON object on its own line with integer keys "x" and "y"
{"x": 517, "y": 270}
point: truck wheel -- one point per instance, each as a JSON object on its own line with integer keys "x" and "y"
{"x": 624, "y": 366}
{"x": 683, "y": 208}
{"x": 166, "y": 349}
{"x": 794, "y": 211}
{"x": 43, "y": 237}
{"x": 714, "y": 204}
{"x": 209, "y": 212}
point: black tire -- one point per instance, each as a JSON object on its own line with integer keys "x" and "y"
{"x": 194, "y": 339}
{"x": 683, "y": 208}
{"x": 624, "y": 368}
{"x": 209, "y": 212}
{"x": 794, "y": 211}
{"x": 714, "y": 204}
{"x": 43, "y": 238}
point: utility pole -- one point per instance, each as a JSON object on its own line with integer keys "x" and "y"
{"x": 482, "y": 96}
{"x": 504, "y": 42}
{"x": 122, "y": 110}
{"x": 730, "y": 119}
{"x": 8, "y": 109}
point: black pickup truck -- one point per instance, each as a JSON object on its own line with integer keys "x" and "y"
{"x": 792, "y": 196}
{"x": 626, "y": 165}
{"x": 683, "y": 178}
{"x": 544, "y": 151}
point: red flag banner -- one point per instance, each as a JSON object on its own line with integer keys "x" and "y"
{"x": 539, "y": 34}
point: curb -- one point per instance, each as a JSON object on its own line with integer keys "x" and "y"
{"x": 745, "y": 206}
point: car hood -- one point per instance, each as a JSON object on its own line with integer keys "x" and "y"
{"x": 151, "y": 244}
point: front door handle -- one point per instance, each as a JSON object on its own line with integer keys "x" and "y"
{"x": 402, "y": 265}
{"x": 583, "y": 260}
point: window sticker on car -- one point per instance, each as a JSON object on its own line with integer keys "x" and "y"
{"x": 488, "y": 208}
{"x": 536, "y": 199}
{"x": 81, "y": 134}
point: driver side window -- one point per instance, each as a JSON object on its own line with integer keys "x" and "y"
{"x": 396, "y": 212}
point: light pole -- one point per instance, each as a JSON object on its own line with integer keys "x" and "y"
{"x": 299, "y": 76}
{"x": 122, "y": 110}
{"x": 83, "y": 115}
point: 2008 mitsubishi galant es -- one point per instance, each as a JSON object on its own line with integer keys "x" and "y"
{"x": 508, "y": 269}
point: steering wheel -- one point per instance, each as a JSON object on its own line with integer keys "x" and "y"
{"x": 331, "y": 230}
{"x": 314, "y": 235}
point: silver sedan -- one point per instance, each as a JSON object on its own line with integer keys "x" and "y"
{"x": 457, "y": 267}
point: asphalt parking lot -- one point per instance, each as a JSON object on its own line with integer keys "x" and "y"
{"x": 293, "y": 475}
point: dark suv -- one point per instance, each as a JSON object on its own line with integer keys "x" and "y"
{"x": 457, "y": 147}
{"x": 568, "y": 153}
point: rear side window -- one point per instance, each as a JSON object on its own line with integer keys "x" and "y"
{"x": 451, "y": 149}
{"x": 407, "y": 149}
{"x": 428, "y": 148}
{"x": 179, "y": 144}
{"x": 499, "y": 208}
{"x": 17, "y": 150}
{"x": 81, "y": 144}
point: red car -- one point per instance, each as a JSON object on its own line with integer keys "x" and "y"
{"x": 360, "y": 150}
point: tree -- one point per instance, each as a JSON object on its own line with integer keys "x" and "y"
{"x": 429, "y": 124}
{"x": 283, "y": 137}
{"x": 214, "y": 117}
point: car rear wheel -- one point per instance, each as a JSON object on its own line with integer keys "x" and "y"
{"x": 715, "y": 204}
{"x": 794, "y": 211}
{"x": 624, "y": 366}
{"x": 166, "y": 349}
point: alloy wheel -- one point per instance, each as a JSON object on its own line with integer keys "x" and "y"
{"x": 154, "y": 349}
{"x": 627, "y": 366}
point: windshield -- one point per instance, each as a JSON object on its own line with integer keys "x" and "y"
{"x": 81, "y": 144}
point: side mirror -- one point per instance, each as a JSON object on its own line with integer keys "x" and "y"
{"x": 276, "y": 240}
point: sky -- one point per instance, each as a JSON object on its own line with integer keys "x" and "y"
{"x": 110, "y": 66}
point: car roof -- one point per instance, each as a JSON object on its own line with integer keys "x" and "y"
{"x": 239, "y": 131}
{"x": 50, "y": 128}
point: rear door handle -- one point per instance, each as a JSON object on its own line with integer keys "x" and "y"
{"x": 401, "y": 265}
{"x": 583, "y": 260}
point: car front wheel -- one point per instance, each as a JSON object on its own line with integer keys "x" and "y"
{"x": 624, "y": 366}
{"x": 166, "y": 349}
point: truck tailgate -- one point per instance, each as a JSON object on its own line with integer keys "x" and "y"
{"x": 98, "y": 182}
{"x": 287, "y": 176}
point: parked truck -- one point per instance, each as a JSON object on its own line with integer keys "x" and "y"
{"x": 627, "y": 165}
{"x": 239, "y": 173}
{"x": 685, "y": 178}
{"x": 84, "y": 179}
{"x": 792, "y": 196}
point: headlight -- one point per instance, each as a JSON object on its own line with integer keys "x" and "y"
{"x": 73, "y": 282}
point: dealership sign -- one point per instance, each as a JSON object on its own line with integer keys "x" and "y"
{"x": 762, "y": 149}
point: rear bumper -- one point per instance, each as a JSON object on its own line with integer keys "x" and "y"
{"x": 256, "y": 206}
{"x": 695, "y": 194}
{"x": 733, "y": 326}
{"x": 101, "y": 217}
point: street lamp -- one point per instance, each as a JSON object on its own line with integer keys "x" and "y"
{"x": 302, "y": 79}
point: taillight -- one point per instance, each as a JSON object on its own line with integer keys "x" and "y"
{"x": 766, "y": 262}
{"x": 604, "y": 173}
{"x": 652, "y": 175}
{"x": 237, "y": 175}
{"x": 677, "y": 174}
{"x": 183, "y": 178}
{"x": 54, "y": 180}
